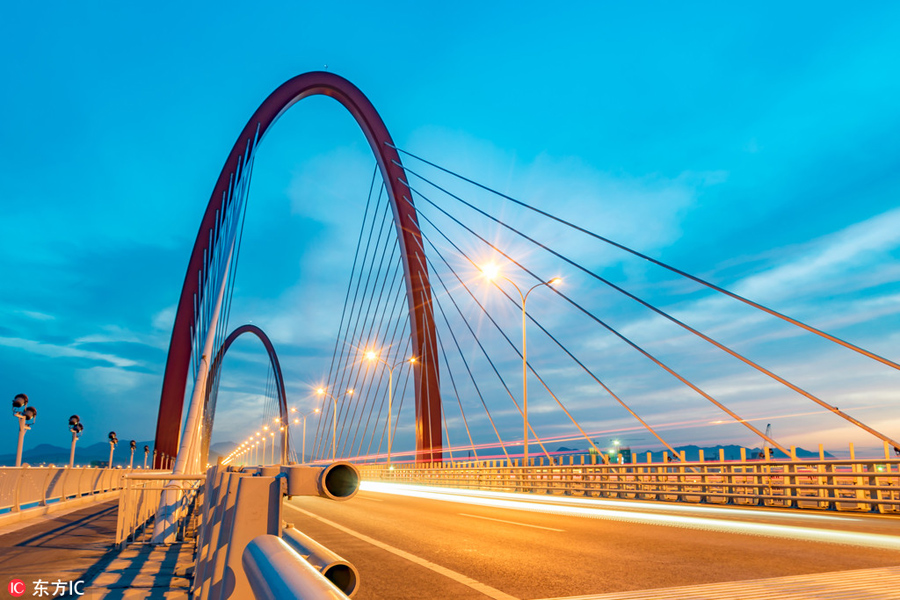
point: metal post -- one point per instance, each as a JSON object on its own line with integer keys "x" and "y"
{"x": 111, "y": 447}
{"x": 264, "y": 449}
{"x": 131, "y": 461}
{"x": 272, "y": 435}
{"x": 303, "y": 458}
{"x": 72, "y": 451}
{"x": 334, "y": 429}
{"x": 390, "y": 412}
{"x": 22, "y": 429}
{"x": 524, "y": 379}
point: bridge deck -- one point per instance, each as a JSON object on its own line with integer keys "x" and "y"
{"x": 78, "y": 546}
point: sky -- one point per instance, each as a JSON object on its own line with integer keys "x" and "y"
{"x": 755, "y": 146}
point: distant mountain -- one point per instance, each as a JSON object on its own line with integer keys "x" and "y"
{"x": 48, "y": 454}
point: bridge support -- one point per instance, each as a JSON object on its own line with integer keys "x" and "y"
{"x": 418, "y": 290}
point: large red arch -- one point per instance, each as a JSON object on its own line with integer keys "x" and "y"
{"x": 418, "y": 289}
{"x": 213, "y": 380}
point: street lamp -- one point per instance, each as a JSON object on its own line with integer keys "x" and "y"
{"x": 297, "y": 420}
{"x": 492, "y": 272}
{"x": 113, "y": 440}
{"x": 26, "y": 415}
{"x": 272, "y": 435}
{"x": 146, "y": 453}
{"x": 321, "y": 391}
{"x": 132, "y": 444}
{"x": 373, "y": 356}
{"x": 76, "y": 428}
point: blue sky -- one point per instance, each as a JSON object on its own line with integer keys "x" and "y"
{"x": 755, "y": 146}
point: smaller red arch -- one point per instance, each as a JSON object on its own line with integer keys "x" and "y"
{"x": 213, "y": 381}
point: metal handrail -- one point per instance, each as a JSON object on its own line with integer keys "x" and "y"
{"x": 870, "y": 485}
{"x": 276, "y": 572}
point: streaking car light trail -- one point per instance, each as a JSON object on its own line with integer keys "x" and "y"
{"x": 577, "y": 507}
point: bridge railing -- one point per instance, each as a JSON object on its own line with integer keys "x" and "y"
{"x": 844, "y": 485}
{"x": 22, "y": 488}
{"x": 140, "y": 500}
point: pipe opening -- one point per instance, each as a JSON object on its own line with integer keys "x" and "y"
{"x": 342, "y": 576}
{"x": 341, "y": 481}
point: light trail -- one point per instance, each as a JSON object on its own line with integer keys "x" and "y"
{"x": 585, "y": 507}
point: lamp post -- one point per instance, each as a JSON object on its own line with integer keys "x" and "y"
{"x": 272, "y": 435}
{"x": 373, "y": 356}
{"x": 146, "y": 453}
{"x": 321, "y": 391}
{"x": 491, "y": 273}
{"x": 25, "y": 414}
{"x": 113, "y": 440}
{"x": 132, "y": 444}
{"x": 297, "y": 420}
{"x": 76, "y": 428}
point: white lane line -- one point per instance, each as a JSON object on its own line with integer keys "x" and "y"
{"x": 458, "y": 577}
{"x": 511, "y": 522}
{"x": 873, "y": 584}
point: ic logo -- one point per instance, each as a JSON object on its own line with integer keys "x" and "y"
{"x": 16, "y": 588}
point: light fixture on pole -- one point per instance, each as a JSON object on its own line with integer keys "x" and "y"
{"x": 113, "y": 440}
{"x": 492, "y": 272}
{"x": 297, "y": 420}
{"x": 272, "y": 435}
{"x": 76, "y": 428}
{"x": 321, "y": 391}
{"x": 146, "y": 454}
{"x": 25, "y": 414}
{"x": 132, "y": 444}
{"x": 373, "y": 356}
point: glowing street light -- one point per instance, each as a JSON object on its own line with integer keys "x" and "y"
{"x": 492, "y": 273}
{"x": 321, "y": 392}
{"x": 373, "y": 356}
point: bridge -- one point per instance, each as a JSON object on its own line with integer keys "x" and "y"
{"x": 463, "y": 442}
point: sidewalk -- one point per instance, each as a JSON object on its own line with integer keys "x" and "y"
{"x": 78, "y": 546}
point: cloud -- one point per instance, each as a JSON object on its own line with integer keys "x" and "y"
{"x": 58, "y": 351}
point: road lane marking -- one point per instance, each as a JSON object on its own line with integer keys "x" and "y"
{"x": 879, "y": 583}
{"x": 458, "y": 577}
{"x": 512, "y": 522}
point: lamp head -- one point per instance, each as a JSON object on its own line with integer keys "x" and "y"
{"x": 555, "y": 282}
{"x": 490, "y": 271}
{"x": 30, "y": 413}
{"x": 74, "y": 420}
{"x": 132, "y": 444}
{"x": 146, "y": 449}
{"x": 320, "y": 391}
{"x": 316, "y": 410}
{"x": 113, "y": 439}
{"x": 19, "y": 402}
{"x": 350, "y": 392}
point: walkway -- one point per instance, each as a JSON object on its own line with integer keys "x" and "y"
{"x": 78, "y": 546}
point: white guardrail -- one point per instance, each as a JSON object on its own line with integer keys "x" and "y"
{"x": 22, "y": 488}
{"x": 844, "y": 485}
{"x": 140, "y": 499}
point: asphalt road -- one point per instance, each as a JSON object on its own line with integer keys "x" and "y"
{"x": 415, "y": 547}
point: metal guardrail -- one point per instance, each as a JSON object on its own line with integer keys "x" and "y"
{"x": 275, "y": 571}
{"x": 140, "y": 499}
{"x": 844, "y": 485}
{"x": 24, "y": 487}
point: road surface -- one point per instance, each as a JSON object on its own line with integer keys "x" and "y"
{"x": 416, "y": 543}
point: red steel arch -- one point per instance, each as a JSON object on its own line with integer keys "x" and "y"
{"x": 214, "y": 381}
{"x": 418, "y": 288}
